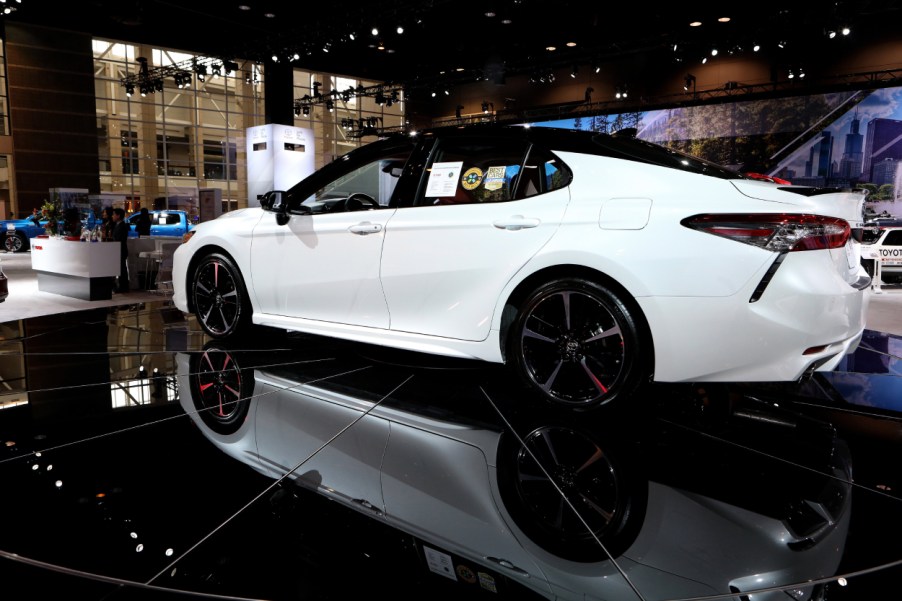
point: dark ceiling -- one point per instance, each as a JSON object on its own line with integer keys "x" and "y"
{"x": 468, "y": 39}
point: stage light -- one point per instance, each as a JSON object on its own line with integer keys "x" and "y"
{"x": 689, "y": 82}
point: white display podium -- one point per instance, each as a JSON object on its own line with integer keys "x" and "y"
{"x": 75, "y": 268}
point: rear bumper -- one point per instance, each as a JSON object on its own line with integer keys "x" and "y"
{"x": 807, "y": 319}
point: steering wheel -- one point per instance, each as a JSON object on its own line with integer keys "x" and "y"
{"x": 360, "y": 202}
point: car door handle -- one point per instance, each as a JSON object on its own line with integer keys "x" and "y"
{"x": 367, "y": 505}
{"x": 510, "y": 566}
{"x": 516, "y": 222}
{"x": 364, "y": 228}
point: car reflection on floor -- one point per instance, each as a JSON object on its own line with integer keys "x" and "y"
{"x": 339, "y": 469}
{"x": 565, "y": 510}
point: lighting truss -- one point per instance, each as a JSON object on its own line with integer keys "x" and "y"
{"x": 180, "y": 73}
{"x": 383, "y": 94}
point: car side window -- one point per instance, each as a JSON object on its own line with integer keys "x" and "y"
{"x": 542, "y": 172}
{"x": 375, "y": 180}
{"x": 472, "y": 170}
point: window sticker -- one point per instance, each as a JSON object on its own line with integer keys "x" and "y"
{"x": 439, "y": 562}
{"x": 471, "y": 179}
{"x": 494, "y": 178}
{"x": 443, "y": 179}
{"x": 487, "y": 582}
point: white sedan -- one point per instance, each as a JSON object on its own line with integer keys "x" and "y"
{"x": 591, "y": 263}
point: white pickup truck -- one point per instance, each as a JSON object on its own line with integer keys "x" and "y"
{"x": 883, "y": 256}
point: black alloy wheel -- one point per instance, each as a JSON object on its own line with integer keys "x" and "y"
{"x": 14, "y": 242}
{"x": 219, "y": 391}
{"x": 219, "y": 297}
{"x": 578, "y": 343}
{"x": 569, "y": 494}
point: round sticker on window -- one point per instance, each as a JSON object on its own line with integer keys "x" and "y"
{"x": 471, "y": 179}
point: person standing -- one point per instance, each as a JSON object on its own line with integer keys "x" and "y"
{"x": 106, "y": 224}
{"x": 120, "y": 235}
{"x": 142, "y": 223}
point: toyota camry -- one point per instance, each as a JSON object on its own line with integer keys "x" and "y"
{"x": 590, "y": 263}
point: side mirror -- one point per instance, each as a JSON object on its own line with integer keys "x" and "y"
{"x": 275, "y": 202}
{"x": 272, "y": 201}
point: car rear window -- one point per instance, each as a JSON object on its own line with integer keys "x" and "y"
{"x": 639, "y": 150}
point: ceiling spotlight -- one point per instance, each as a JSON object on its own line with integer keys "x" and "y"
{"x": 330, "y": 106}
{"x": 801, "y": 73}
{"x": 229, "y": 66}
{"x": 724, "y": 19}
{"x": 846, "y": 31}
{"x": 306, "y": 110}
{"x": 714, "y": 52}
{"x": 831, "y": 34}
{"x": 144, "y": 90}
{"x": 704, "y": 59}
{"x": 400, "y": 30}
{"x": 217, "y": 70}
{"x": 129, "y": 89}
{"x": 374, "y": 31}
{"x": 791, "y": 74}
{"x": 695, "y": 24}
{"x": 781, "y": 44}
{"x": 571, "y": 44}
{"x": 297, "y": 110}
{"x": 295, "y": 56}
{"x": 485, "y": 106}
{"x": 352, "y": 37}
{"x": 275, "y": 58}
{"x": 574, "y": 71}
{"x": 550, "y": 48}
{"x": 158, "y": 85}
{"x": 756, "y": 47}
{"x": 490, "y": 13}
{"x": 597, "y": 68}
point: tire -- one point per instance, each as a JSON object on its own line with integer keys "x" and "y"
{"x": 220, "y": 390}
{"x": 15, "y": 242}
{"x": 219, "y": 297}
{"x": 570, "y": 493}
{"x": 578, "y": 344}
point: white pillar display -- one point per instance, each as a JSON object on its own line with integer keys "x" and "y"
{"x": 278, "y": 157}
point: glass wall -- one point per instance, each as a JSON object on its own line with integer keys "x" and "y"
{"x": 158, "y": 149}
{"x": 334, "y": 140}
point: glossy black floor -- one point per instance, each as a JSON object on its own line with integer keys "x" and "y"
{"x": 141, "y": 461}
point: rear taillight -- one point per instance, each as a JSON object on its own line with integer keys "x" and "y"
{"x": 778, "y": 232}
